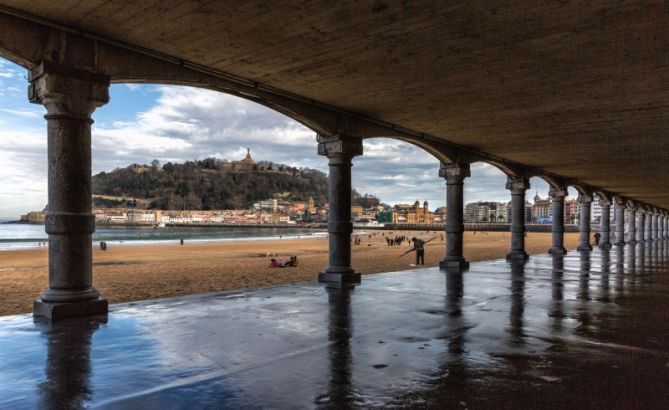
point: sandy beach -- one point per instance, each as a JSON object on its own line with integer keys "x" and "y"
{"x": 134, "y": 272}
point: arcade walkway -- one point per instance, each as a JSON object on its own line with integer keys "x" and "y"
{"x": 574, "y": 331}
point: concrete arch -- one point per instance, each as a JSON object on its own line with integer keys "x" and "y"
{"x": 552, "y": 182}
{"x": 309, "y": 120}
{"x": 581, "y": 189}
{"x": 604, "y": 195}
{"x": 508, "y": 170}
{"x": 432, "y": 149}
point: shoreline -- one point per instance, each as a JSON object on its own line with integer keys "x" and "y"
{"x": 30, "y": 245}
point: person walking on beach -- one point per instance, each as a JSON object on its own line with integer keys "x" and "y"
{"x": 181, "y": 242}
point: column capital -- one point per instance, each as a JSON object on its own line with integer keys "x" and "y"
{"x": 620, "y": 203}
{"x": 518, "y": 184}
{"x": 67, "y": 91}
{"x": 339, "y": 146}
{"x": 605, "y": 202}
{"x": 584, "y": 198}
{"x": 454, "y": 172}
{"x": 557, "y": 193}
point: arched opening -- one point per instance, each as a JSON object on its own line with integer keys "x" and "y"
{"x": 148, "y": 131}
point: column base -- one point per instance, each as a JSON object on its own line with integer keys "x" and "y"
{"x": 557, "y": 251}
{"x": 517, "y": 256}
{"x": 584, "y": 248}
{"x": 57, "y": 311}
{"x": 339, "y": 280}
{"x": 619, "y": 243}
{"x": 454, "y": 265}
{"x": 605, "y": 245}
{"x": 631, "y": 242}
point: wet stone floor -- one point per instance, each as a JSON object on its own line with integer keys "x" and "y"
{"x": 588, "y": 330}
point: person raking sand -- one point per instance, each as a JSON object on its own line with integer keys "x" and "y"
{"x": 419, "y": 247}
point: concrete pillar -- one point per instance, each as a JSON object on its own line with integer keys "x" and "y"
{"x": 654, "y": 227}
{"x": 640, "y": 225}
{"x": 70, "y": 97}
{"x": 660, "y": 225}
{"x": 631, "y": 225}
{"x": 665, "y": 226}
{"x": 605, "y": 224}
{"x": 557, "y": 229}
{"x": 454, "y": 175}
{"x": 517, "y": 186}
{"x": 620, "y": 222}
{"x": 340, "y": 151}
{"x": 584, "y": 202}
{"x": 648, "y": 223}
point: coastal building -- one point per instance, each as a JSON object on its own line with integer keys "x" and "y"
{"x": 570, "y": 211}
{"x": 413, "y": 214}
{"x": 502, "y": 212}
{"x": 35, "y": 217}
{"x": 385, "y": 216}
{"x": 486, "y": 212}
{"x": 268, "y": 205}
{"x": 356, "y": 211}
{"x": 541, "y": 209}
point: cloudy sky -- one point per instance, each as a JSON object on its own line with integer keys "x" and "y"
{"x": 168, "y": 123}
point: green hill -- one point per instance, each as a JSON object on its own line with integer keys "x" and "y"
{"x": 211, "y": 184}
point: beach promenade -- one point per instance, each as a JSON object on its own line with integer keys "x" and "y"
{"x": 585, "y": 330}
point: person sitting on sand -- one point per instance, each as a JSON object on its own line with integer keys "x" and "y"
{"x": 276, "y": 263}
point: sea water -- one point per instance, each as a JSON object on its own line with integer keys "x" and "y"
{"x": 22, "y": 236}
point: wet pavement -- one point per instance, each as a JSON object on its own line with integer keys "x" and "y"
{"x": 579, "y": 331}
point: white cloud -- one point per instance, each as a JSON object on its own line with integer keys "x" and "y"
{"x": 24, "y": 113}
{"x": 133, "y": 87}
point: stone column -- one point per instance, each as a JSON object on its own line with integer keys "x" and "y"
{"x": 584, "y": 202}
{"x": 665, "y": 230}
{"x": 631, "y": 225}
{"x": 340, "y": 151}
{"x": 454, "y": 175}
{"x": 648, "y": 226}
{"x": 620, "y": 222}
{"x": 70, "y": 97}
{"x": 517, "y": 186}
{"x": 640, "y": 225}
{"x": 557, "y": 197}
{"x": 654, "y": 225}
{"x": 605, "y": 224}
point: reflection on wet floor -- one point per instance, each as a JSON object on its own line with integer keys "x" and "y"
{"x": 581, "y": 330}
